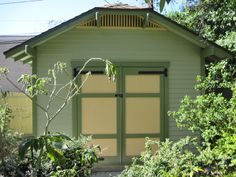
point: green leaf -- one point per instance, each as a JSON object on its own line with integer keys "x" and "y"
{"x": 35, "y": 144}
{"x": 24, "y": 147}
{"x": 54, "y": 154}
{"x": 110, "y": 70}
{"x": 162, "y": 5}
{"x": 58, "y": 137}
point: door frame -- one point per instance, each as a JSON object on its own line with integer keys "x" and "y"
{"x": 161, "y": 66}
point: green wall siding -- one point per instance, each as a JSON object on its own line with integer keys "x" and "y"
{"x": 124, "y": 45}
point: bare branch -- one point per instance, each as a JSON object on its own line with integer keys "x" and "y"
{"x": 22, "y": 91}
{"x": 82, "y": 84}
{"x": 62, "y": 106}
{"x": 71, "y": 88}
{"x": 51, "y": 98}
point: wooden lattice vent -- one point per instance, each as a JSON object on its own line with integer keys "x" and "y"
{"x": 122, "y": 21}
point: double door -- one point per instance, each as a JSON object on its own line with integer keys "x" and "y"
{"x": 120, "y": 115}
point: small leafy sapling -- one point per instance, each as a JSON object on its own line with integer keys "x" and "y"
{"x": 32, "y": 86}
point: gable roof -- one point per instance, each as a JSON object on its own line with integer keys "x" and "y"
{"x": 26, "y": 50}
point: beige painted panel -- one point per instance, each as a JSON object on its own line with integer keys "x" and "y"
{"x": 142, "y": 115}
{"x": 134, "y": 146}
{"x": 22, "y": 111}
{"x": 142, "y": 84}
{"x": 98, "y": 115}
{"x": 108, "y": 146}
{"x": 98, "y": 84}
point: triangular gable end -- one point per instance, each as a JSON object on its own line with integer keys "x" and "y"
{"x": 121, "y": 21}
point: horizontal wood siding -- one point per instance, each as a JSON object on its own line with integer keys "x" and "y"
{"x": 125, "y": 45}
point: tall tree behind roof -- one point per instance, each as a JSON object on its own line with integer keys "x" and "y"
{"x": 212, "y": 19}
{"x": 157, "y": 3}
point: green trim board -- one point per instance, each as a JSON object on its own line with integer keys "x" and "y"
{"x": 34, "y": 106}
{"x": 75, "y": 107}
{"x": 182, "y": 31}
{"x": 143, "y": 94}
{"x": 98, "y": 95}
{"x": 102, "y": 136}
{"x": 158, "y": 65}
{"x": 119, "y": 113}
{"x": 165, "y": 90}
{"x": 121, "y": 136}
{"x": 111, "y": 161}
{"x": 143, "y": 135}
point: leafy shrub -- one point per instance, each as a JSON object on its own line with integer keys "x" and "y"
{"x": 9, "y": 139}
{"x": 171, "y": 159}
{"x": 65, "y": 173}
{"x": 221, "y": 159}
{"x": 211, "y": 113}
{"x": 79, "y": 158}
{"x": 176, "y": 159}
{"x": 61, "y": 156}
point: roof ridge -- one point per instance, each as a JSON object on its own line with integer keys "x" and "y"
{"x": 121, "y": 5}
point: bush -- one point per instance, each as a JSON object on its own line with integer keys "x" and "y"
{"x": 171, "y": 159}
{"x": 176, "y": 159}
{"x": 79, "y": 158}
{"x": 9, "y": 139}
{"x": 60, "y": 157}
{"x": 212, "y": 114}
{"x": 221, "y": 159}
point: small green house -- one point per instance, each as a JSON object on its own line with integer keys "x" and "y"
{"x": 157, "y": 62}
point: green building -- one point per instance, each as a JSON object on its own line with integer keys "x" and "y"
{"x": 157, "y": 62}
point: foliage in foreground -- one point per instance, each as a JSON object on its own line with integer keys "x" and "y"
{"x": 73, "y": 158}
{"x": 64, "y": 157}
{"x": 9, "y": 139}
{"x": 171, "y": 159}
{"x": 211, "y": 114}
{"x": 53, "y": 154}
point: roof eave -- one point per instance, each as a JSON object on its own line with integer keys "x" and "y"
{"x": 166, "y": 22}
{"x": 53, "y": 32}
{"x": 217, "y": 52}
{"x": 49, "y": 34}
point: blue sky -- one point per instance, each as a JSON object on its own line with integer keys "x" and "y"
{"x": 34, "y": 17}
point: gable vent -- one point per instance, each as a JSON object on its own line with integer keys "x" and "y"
{"x": 122, "y": 21}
